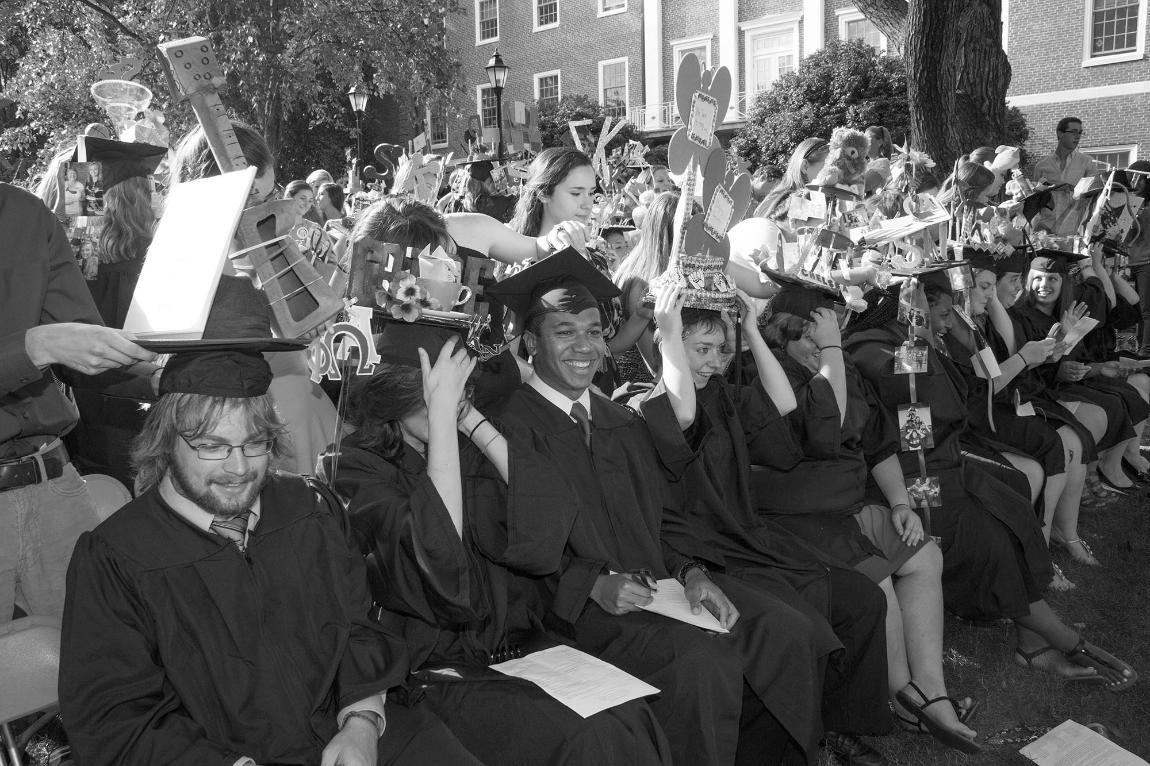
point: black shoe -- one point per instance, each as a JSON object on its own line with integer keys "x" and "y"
{"x": 852, "y": 751}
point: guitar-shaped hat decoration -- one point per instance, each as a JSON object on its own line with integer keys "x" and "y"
{"x": 300, "y": 299}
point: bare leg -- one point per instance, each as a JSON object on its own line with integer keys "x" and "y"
{"x": 1033, "y": 471}
{"x": 1065, "y": 522}
{"x": 917, "y": 595}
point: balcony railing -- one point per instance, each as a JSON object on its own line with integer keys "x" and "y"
{"x": 666, "y": 115}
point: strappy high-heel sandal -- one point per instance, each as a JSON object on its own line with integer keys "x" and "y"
{"x": 924, "y": 722}
{"x": 1086, "y": 557}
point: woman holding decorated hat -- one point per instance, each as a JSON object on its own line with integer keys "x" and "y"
{"x": 995, "y": 560}
{"x": 844, "y": 492}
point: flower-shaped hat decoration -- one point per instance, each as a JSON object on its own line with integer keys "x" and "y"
{"x": 702, "y": 98}
{"x": 700, "y": 263}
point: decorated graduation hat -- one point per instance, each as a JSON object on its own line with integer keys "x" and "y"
{"x": 1054, "y": 261}
{"x": 565, "y": 281}
{"x": 228, "y": 361}
{"x": 1017, "y": 260}
{"x": 800, "y": 297}
{"x": 121, "y": 160}
{"x": 399, "y": 342}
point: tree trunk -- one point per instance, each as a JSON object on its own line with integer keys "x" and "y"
{"x": 890, "y": 18}
{"x": 957, "y": 72}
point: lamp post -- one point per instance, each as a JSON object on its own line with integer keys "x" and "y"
{"x": 497, "y": 78}
{"x": 358, "y": 96}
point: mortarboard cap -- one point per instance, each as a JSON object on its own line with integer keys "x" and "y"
{"x": 800, "y": 297}
{"x": 1054, "y": 261}
{"x": 121, "y": 160}
{"x": 565, "y": 281}
{"x": 231, "y": 373}
{"x": 399, "y": 342}
{"x": 1017, "y": 261}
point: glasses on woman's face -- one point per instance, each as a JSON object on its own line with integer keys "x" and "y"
{"x": 224, "y": 451}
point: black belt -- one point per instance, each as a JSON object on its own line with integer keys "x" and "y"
{"x": 24, "y": 471}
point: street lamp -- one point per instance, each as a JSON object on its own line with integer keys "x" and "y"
{"x": 358, "y": 96}
{"x": 497, "y": 78}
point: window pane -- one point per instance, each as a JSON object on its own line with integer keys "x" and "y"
{"x": 487, "y": 108}
{"x": 865, "y": 30}
{"x": 438, "y": 128}
{"x": 488, "y": 19}
{"x": 773, "y": 54}
{"x": 612, "y": 5}
{"x": 700, "y": 52}
{"x": 547, "y": 12}
{"x": 1113, "y": 159}
{"x": 1114, "y": 26}
{"x": 548, "y": 88}
{"x": 615, "y": 88}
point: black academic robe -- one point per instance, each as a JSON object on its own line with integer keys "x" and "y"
{"x": 619, "y": 496}
{"x": 460, "y": 603}
{"x": 995, "y": 560}
{"x": 179, "y": 649}
{"x": 1035, "y": 325}
{"x": 716, "y": 522}
{"x": 113, "y": 287}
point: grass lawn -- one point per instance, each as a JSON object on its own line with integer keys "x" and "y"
{"x": 1111, "y": 606}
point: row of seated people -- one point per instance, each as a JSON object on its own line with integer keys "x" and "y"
{"x": 498, "y": 509}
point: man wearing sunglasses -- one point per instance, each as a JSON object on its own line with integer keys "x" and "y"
{"x": 1066, "y": 166}
{"x": 221, "y": 617}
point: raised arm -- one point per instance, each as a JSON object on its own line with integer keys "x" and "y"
{"x": 443, "y": 386}
{"x": 771, "y": 375}
{"x": 677, "y": 378}
{"x": 826, "y": 336}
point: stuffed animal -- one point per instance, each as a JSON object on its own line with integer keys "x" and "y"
{"x": 846, "y": 161}
{"x": 1006, "y": 159}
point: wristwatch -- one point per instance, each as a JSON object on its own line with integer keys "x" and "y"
{"x": 371, "y": 716}
{"x": 687, "y": 567}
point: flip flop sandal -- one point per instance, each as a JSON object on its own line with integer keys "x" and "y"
{"x": 947, "y": 737}
{"x": 1088, "y": 655}
{"x": 1026, "y": 660}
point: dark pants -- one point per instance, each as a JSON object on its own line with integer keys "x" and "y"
{"x": 1141, "y": 274}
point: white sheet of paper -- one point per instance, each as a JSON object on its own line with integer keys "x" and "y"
{"x": 1126, "y": 363}
{"x": 1078, "y": 332}
{"x": 583, "y": 683}
{"x": 1072, "y": 406}
{"x": 182, "y": 270}
{"x": 671, "y": 601}
{"x": 1072, "y": 744}
{"x": 704, "y": 114}
{"x": 719, "y": 214}
{"x": 986, "y": 365}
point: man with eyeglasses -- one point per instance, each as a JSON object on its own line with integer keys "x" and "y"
{"x": 221, "y": 617}
{"x": 1066, "y": 166}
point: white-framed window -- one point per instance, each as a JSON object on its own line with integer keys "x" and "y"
{"x": 700, "y": 46}
{"x": 614, "y": 89}
{"x": 1112, "y": 156}
{"x": 771, "y": 50}
{"x": 853, "y": 25}
{"x": 546, "y": 15}
{"x": 611, "y": 7}
{"x": 486, "y": 21}
{"x": 437, "y": 126}
{"x": 1115, "y": 31}
{"x": 487, "y": 106}
{"x": 547, "y": 87}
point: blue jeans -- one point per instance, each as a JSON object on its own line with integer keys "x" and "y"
{"x": 39, "y": 526}
{"x": 1141, "y": 274}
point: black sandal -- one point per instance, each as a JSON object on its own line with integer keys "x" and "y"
{"x": 1026, "y": 660}
{"x": 1090, "y": 656}
{"x": 944, "y": 735}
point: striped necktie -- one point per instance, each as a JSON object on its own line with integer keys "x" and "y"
{"x": 233, "y": 528}
{"x": 579, "y": 413}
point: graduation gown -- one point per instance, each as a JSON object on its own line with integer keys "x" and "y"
{"x": 460, "y": 603}
{"x": 179, "y": 649}
{"x": 716, "y": 522}
{"x": 619, "y": 497}
{"x": 995, "y": 560}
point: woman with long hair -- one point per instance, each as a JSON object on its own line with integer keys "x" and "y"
{"x": 129, "y": 222}
{"x": 806, "y": 161}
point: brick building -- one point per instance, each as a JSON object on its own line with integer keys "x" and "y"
{"x": 1084, "y": 58}
{"x": 624, "y": 53}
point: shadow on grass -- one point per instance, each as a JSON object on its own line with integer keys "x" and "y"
{"x": 1111, "y": 606}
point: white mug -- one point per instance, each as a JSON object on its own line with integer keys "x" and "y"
{"x": 449, "y": 294}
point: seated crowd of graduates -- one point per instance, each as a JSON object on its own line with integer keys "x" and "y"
{"x": 750, "y": 437}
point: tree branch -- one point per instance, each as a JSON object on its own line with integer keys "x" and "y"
{"x": 109, "y": 16}
{"x": 890, "y": 18}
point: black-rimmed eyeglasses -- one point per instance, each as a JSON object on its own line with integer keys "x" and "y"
{"x": 224, "y": 451}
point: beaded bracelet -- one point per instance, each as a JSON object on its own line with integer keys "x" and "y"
{"x": 477, "y": 425}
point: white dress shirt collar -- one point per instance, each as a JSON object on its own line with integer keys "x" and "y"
{"x": 562, "y": 401}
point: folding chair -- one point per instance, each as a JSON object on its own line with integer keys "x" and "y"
{"x": 29, "y": 666}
